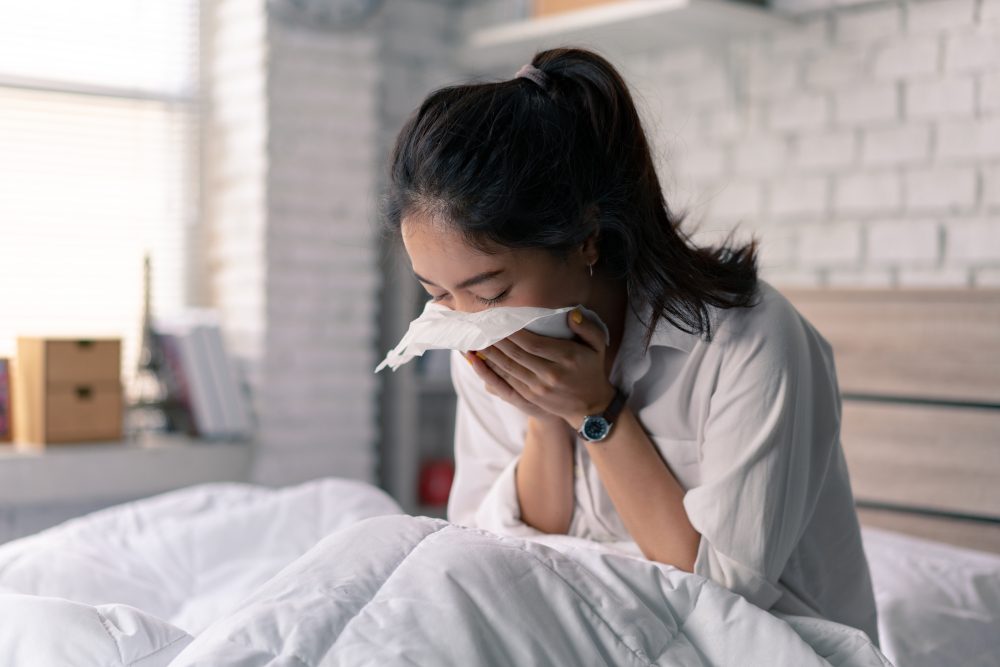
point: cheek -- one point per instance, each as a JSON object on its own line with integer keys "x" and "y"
{"x": 554, "y": 291}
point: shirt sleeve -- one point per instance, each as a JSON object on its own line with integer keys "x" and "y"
{"x": 484, "y": 492}
{"x": 773, "y": 422}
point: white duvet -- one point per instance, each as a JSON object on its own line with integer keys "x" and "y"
{"x": 332, "y": 573}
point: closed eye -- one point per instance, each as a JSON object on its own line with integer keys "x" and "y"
{"x": 488, "y": 301}
{"x": 495, "y": 300}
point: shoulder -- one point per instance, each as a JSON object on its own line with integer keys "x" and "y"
{"x": 773, "y": 327}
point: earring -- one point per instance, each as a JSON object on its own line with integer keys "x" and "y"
{"x": 591, "y": 267}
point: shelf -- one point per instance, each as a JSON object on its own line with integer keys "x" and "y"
{"x": 117, "y": 470}
{"x": 620, "y": 28}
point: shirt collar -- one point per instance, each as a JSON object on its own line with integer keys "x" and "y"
{"x": 665, "y": 334}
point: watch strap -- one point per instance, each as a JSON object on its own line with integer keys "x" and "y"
{"x": 615, "y": 407}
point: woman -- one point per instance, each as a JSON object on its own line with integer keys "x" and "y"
{"x": 718, "y": 451}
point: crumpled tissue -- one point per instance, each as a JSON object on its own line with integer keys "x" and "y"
{"x": 440, "y": 327}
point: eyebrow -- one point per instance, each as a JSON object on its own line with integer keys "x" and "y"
{"x": 474, "y": 280}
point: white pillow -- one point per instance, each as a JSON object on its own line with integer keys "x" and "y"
{"x": 43, "y": 631}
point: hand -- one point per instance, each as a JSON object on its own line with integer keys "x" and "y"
{"x": 547, "y": 377}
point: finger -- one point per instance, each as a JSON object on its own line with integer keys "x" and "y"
{"x": 586, "y": 329}
{"x": 540, "y": 368}
{"x": 525, "y": 397}
{"x": 501, "y": 386}
{"x": 493, "y": 381}
{"x": 505, "y": 366}
{"x": 483, "y": 370}
{"x": 492, "y": 375}
{"x": 544, "y": 347}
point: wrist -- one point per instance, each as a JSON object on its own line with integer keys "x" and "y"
{"x": 545, "y": 418}
{"x": 598, "y": 407}
{"x": 547, "y": 423}
{"x": 550, "y": 429}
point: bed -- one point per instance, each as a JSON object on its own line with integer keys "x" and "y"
{"x": 919, "y": 374}
{"x": 332, "y": 572}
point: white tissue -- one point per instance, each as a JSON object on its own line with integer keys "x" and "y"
{"x": 439, "y": 327}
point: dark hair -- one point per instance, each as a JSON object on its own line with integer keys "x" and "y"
{"x": 513, "y": 164}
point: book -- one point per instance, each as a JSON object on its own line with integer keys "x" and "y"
{"x": 6, "y": 415}
{"x": 191, "y": 367}
{"x": 211, "y": 400}
{"x": 202, "y": 377}
{"x": 175, "y": 382}
{"x": 236, "y": 415}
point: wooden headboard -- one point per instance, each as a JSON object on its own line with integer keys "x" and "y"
{"x": 919, "y": 374}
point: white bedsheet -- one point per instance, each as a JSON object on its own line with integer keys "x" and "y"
{"x": 331, "y": 572}
{"x": 938, "y": 604}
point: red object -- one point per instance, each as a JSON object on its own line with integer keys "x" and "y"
{"x": 435, "y": 481}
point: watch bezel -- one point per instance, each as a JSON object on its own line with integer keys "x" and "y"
{"x": 595, "y": 419}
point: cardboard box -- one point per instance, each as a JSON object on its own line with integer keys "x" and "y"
{"x": 551, "y": 7}
{"x": 67, "y": 390}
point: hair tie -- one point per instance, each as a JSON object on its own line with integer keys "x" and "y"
{"x": 529, "y": 71}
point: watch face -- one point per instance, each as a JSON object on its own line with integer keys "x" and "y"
{"x": 595, "y": 428}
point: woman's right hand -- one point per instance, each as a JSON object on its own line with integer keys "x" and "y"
{"x": 501, "y": 389}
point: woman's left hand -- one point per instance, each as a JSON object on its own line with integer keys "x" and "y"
{"x": 565, "y": 378}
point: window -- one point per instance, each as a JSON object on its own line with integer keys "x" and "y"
{"x": 98, "y": 164}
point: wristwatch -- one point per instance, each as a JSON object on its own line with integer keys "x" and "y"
{"x": 597, "y": 427}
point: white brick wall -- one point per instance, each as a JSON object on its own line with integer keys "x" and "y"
{"x": 292, "y": 136}
{"x": 866, "y": 104}
{"x": 235, "y": 163}
{"x": 825, "y": 151}
{"x": 903, "y": 144}
{"x": 880, "y": 23}
{"x": 800, "y": 197}
{"x": 936, "y": 98}
{"x": 945, "y": 188}
{"x": 932, "y": 16}
{"x": 864, "y": 138}
{"x": 903, "y": 242}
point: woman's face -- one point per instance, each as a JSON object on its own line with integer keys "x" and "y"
{"x": 464, "y": 279}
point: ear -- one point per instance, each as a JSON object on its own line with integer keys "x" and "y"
{"x": 589, "y": 251}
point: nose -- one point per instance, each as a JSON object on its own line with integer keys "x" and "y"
{"x": 469, "y": 306}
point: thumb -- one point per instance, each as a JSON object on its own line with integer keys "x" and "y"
{"x": 587, "y": 329}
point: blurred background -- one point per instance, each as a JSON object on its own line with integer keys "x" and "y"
{"x": 241, "y": 146}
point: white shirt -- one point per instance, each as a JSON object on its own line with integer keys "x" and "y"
{"x": 748, "y": 423}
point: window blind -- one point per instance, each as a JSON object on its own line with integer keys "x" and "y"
{"x": 98, "y": 165}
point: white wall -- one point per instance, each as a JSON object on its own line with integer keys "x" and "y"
{"x": 861, "y": 144}
{"x": 291, "y": 134}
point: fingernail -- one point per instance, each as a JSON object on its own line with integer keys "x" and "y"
{"x": 481, "y": 355}
{"x": 467, "y": 357}
{"x": 577, "y": 316}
